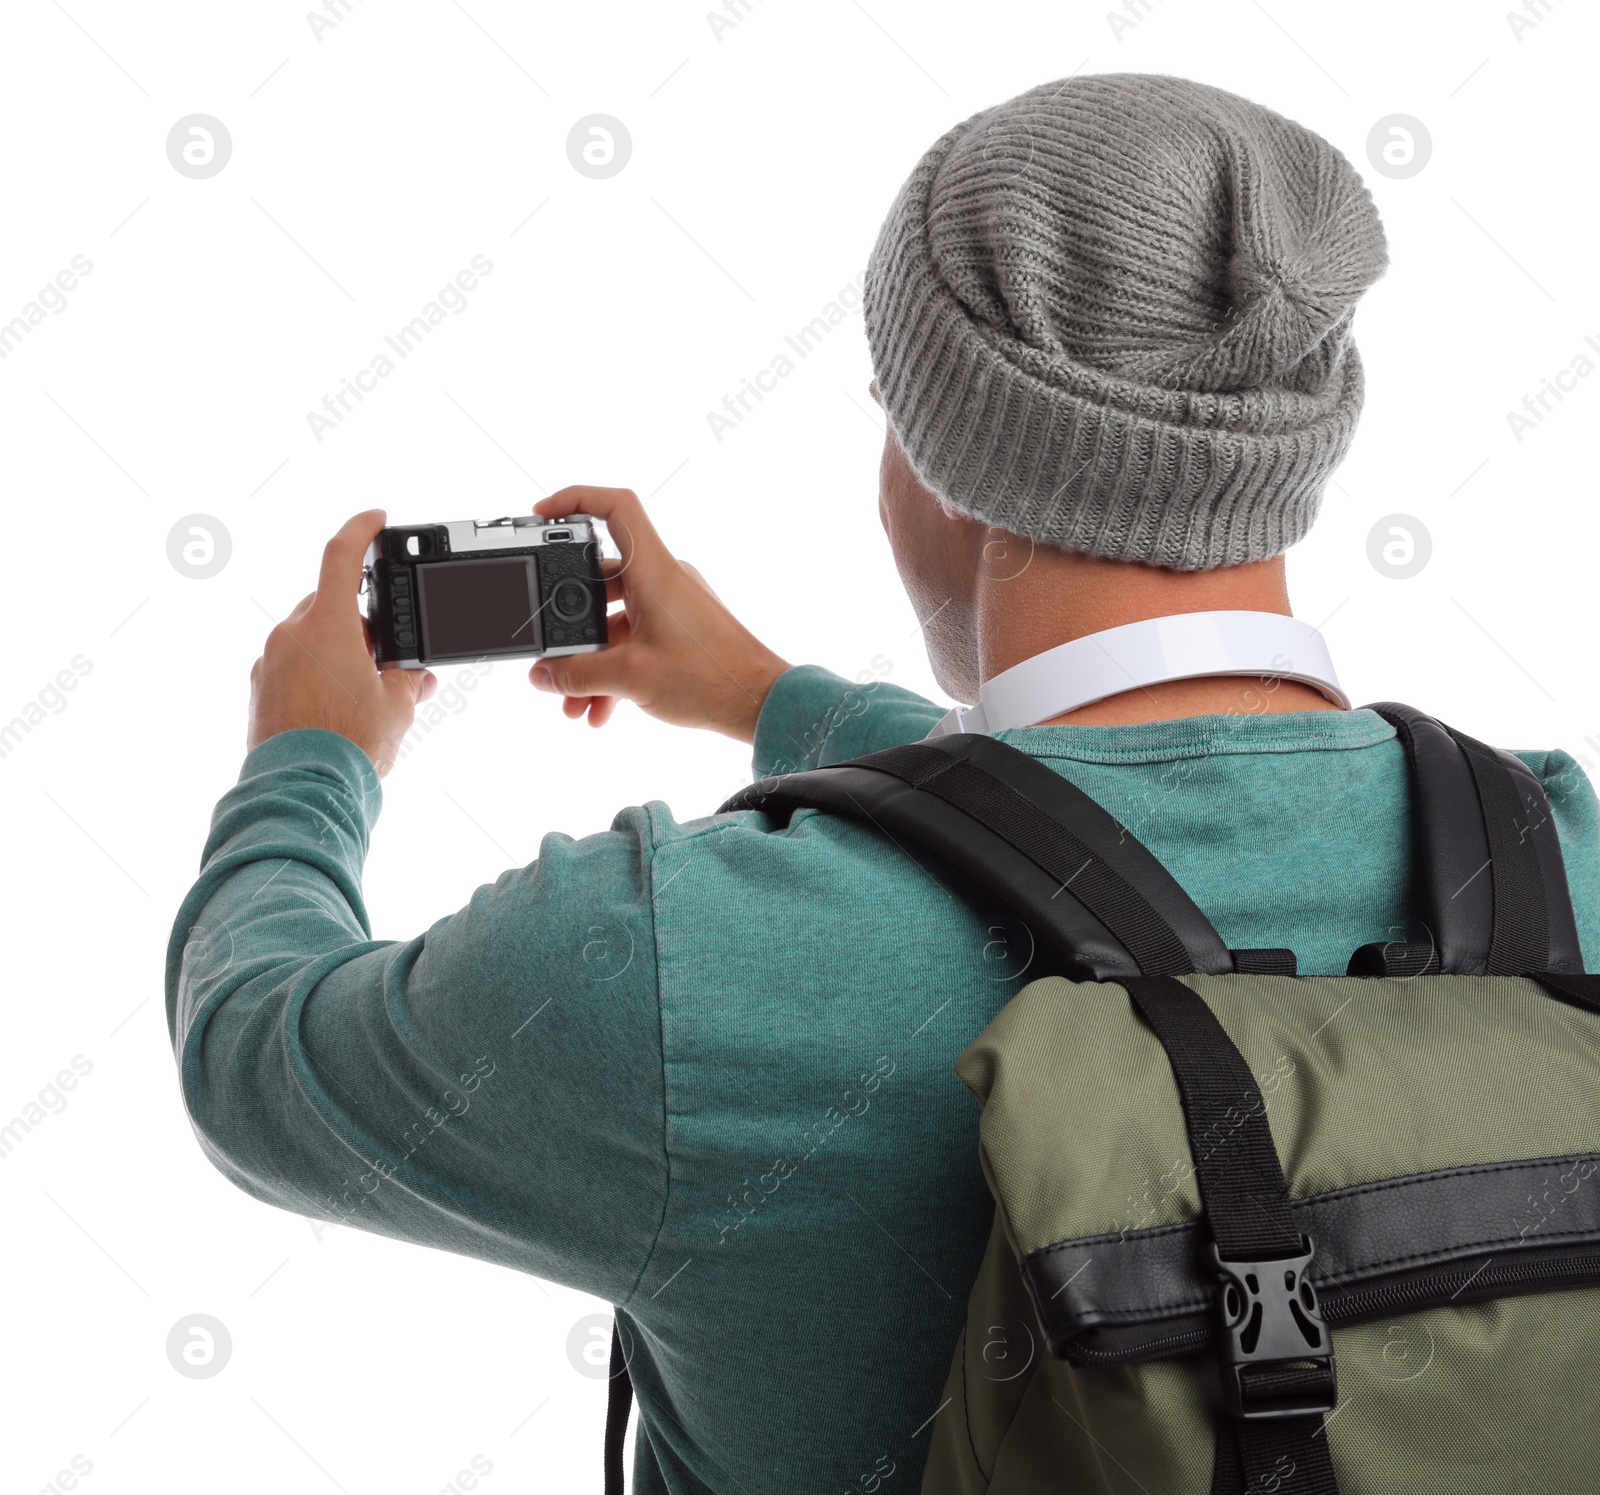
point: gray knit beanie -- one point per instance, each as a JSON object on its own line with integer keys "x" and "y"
{"x": 1113, "y": 315}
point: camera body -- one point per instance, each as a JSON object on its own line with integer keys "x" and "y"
{"x": 480, "y": 588}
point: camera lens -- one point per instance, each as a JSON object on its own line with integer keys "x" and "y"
{"x": 570, "y": 599}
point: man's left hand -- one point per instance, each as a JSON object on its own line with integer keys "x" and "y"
{"x": 317, "y": 668}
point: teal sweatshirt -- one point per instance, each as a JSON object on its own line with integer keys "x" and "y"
{"x": 703, "y": 1070}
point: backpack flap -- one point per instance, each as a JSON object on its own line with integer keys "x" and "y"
{"x": 1422, "y": 1168}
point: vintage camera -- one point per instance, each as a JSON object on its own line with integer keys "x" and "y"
{"x": 481, "y": 588}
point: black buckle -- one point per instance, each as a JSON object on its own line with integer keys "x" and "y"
{"x": 1275, "y": 1351}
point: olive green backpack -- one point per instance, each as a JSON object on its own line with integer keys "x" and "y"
{"x": 1256, "y": 1232}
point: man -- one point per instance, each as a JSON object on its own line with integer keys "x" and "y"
{"x": 1109, "y": 324}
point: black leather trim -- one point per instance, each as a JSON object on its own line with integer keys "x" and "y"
{"x": 1131, "y": 1295}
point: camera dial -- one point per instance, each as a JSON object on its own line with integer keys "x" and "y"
{"x": 570, "y": 599}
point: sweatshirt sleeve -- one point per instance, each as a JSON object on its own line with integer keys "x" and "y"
{"x": 812, "y": 717}
{"x": 491, "y": 1087}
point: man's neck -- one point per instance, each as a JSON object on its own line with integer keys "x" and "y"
{"x": 1059, "y": 596}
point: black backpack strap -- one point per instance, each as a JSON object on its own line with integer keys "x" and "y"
{"x": 1274, "y": 1351}
{"x": 1027, "y": 837}
{"x": 619, "y": 1403}
{"x": 1493, "y": 885}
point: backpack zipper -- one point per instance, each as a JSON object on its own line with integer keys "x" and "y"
{"x": 1354, "y": 1305}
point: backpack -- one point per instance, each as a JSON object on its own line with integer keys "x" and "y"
{"x": 1256, "y": 1232}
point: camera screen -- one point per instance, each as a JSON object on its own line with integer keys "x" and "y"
{"x": 473, "y": 608}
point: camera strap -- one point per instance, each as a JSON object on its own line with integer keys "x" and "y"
{"x": 1184, "y": 646}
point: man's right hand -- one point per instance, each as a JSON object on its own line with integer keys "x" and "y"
{"x": 674, "y": 648}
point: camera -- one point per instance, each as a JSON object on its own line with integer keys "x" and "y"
{"x": 478, "y": 588}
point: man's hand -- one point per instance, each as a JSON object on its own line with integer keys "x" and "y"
{"x": 675, "y": 649}
{"x": 317, "y": 668}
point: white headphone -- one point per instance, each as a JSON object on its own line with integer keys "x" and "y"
{"x": 1181, "y": 647}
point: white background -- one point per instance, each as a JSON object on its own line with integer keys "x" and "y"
{"x": 368, "y": 167}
